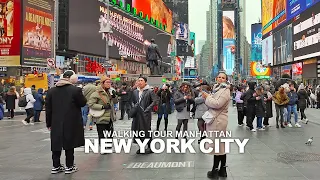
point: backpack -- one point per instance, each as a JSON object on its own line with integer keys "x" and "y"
{"x": 22, "y": 101}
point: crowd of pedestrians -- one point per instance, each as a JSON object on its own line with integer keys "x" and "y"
{"x": 71, "y": 108}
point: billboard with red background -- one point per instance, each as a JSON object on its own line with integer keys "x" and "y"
{"x": 10, "y": 13}
{"x": 37, "y": 32}
{"x": 155, "y": 9}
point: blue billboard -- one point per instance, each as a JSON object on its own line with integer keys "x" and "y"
{"x": 228, "y": 55}
{"x": 256, "y": 42}
{"x": 275, "y": 12}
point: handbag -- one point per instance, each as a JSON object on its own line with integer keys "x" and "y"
{"x": 98, "y": 113}
{"x": 208, "y": 116}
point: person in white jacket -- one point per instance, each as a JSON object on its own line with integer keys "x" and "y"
{"x": 29, "y": 107}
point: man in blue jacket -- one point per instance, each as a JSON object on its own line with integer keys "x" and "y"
{"x": 292, "y": 106}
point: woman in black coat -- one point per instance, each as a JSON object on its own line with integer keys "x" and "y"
{"x": 10, "y": 99}
{"x": 268, "y": 102}
{"x": 163, "y": 105}
{"x": 302, "y": 102}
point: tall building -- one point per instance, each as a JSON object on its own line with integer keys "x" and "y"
{"x": 179, "y": 8}
{"x": 200, "y": 45}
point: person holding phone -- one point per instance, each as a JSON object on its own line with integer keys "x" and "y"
{"x": 164, "y": 105}
{"x": 183, "y": 98}
{"x": 218, "y": 104}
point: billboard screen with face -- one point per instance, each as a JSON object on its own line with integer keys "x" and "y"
{"x": 267, "y": 51}
{"x": 228, "y": 42}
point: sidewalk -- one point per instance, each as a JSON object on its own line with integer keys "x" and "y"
{"x": 17, "y": 112}
{"x": 313, "y": 115}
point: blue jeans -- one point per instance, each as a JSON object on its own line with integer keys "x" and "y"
{"x": 259, "y": 122}
{"x": 292, "y": 108}
{"x": 162, "y": 111}
{"x": 85, "y": 112}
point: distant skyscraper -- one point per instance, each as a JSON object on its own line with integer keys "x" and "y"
{"x": 200, "y": 45}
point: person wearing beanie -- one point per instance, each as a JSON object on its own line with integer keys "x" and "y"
{"x": 103, "y": 99}
{"x": 143, "y": 99}
{"x": 87, "y": 90}
{"x": 63, "y": 118}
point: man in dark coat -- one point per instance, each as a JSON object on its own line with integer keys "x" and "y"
{"x": 249, "y": 104}
{"x": 144, "y": 99}
{"x": 125, "y": 94}
{"x": 64, "y": 120}
{"x": 152, "y": 56}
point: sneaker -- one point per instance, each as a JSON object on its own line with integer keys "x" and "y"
{"x": 307, "y": 120}
{"x": 253, "y": 130}
{"x": 240, "y": 125}
{"x": 57, "y": 170}
{"x": 31, "y": 123}
{"x": 25, "y": 122}
{"x": 71, "y": 170}
{"x": 297, "y": 125}
{"x": 261, "y": 129}
{"x": 289, "y": 125}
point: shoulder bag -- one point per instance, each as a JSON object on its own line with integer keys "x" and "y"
{"x": 208, "y": 116}
{"x": 98, "y": 113}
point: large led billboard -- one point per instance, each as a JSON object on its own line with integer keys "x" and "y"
{"x": 37, "y": 18}
{"x": 10, "y": 14}
{"x": 267, "y": 51}
{"x": 282, "y": 45}
{"x": 153, "y": 12}
{"x": 277, "y": 12}
{"x": 130, "y": 35}
{"x": 306, "y": 34}
{"x": 228, "y": 41}
{"x": 256, "y": 42}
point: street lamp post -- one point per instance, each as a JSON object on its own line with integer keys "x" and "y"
{"x": 105, "y": 29}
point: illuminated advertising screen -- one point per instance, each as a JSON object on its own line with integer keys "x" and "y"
{"x": 129, "y": 34}
{"x": 256, "y": 42}
{"x": 277, "y": 12}
{"x": 306, "y": 34}
{"x": 192, "y": 42}
{"x": 10, "y": 32}
{"x": 257, "y": 69}
{"x": 37, "y": 18}
{"x": 282, "y": 45}
{"x": 267, "y": 51}
{"x": 228, "y": 41}
{"x": 181, "y": 31}
{"x": 297, "y": 69}
{"x": 154, "y": 12}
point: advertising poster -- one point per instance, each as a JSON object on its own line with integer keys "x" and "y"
{"x": 228, "y": 56}
{"x": 282, "y": 45}
{"x": 193, "y": 42}
{"x": 256, "y": 42}
{"x": 37, "y": 18}
{"x": 10, "y": 32}
{"x": 257, "y": 69}
{"x": 306, "y": 34}
{"x": 267, "y": 51}
{"x": 229, "y": 47}
{"x": 228, "y": 41}
{"x": 130, "y": 35}
{"x": 155, "y": 9}
{"x": 277, "y": 12}
{"x": 297, "y": 71}
{"x": 181, "y": 31}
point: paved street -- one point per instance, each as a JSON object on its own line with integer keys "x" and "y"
{"x": 25, "y": 155}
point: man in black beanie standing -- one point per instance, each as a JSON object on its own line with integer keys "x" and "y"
{"x": 125, "y": 100}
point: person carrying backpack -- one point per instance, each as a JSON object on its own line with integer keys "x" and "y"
{"x": 29, "y": 100}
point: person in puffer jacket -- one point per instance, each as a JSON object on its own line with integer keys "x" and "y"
{"x": 292, "y": 106}
{"x": 29, "y": 107}
{"x": 201, "y": 108}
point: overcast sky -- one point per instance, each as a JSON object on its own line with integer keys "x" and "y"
{"x": 197, "y": 17}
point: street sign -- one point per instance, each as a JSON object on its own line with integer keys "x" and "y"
{"x": 113, "y": 72}
{"x": 51, "y": 62}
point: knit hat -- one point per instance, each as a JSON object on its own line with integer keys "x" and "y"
{"x": 103, "y": 78}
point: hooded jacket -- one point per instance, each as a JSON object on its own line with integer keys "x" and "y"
{"x": 38, "y": 105}
{"x": 29, "y": 97}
